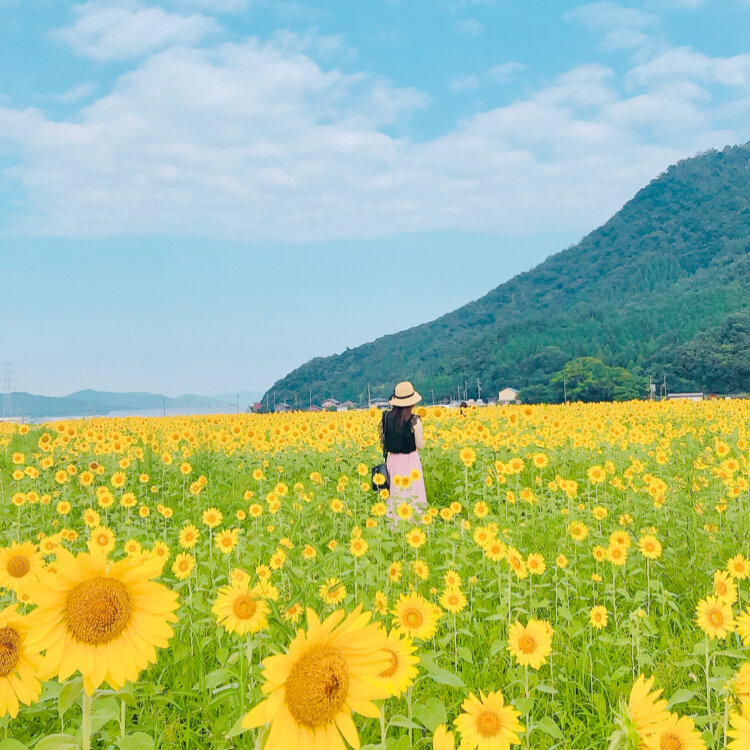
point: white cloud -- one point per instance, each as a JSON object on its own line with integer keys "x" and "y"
{"x": 466, "y": 83}
{"x": 505, "y": 72}
{"x": 124, "y": 30}
{"x": 623, "y": 27}
{"x": 469, "y": 27}
{"x": 684, "y": 63}
{"x": 74, "y": 94}
{"x": 257, "y": 141}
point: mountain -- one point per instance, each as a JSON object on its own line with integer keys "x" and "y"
{"x": 661, "y": 289}
{"x": 89, "y": 402}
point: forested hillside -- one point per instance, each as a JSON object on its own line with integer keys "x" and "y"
{"x": 661, "y": 288}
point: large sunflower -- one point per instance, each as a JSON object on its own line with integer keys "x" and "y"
{"x": 328, "y": 673}
{"x": 402, "y": 670}
{"x": 740, "y": 731}
{"x": 487, "y": 723}
{"x": 18, "y": 663}
{"x": 20, "y": 564}
{"x": 645, "y": 709}
{"x": 104, "y": 619}
{"x": 530, "y": 644}
{"x": 239, "y": 610}
{"x": 676, "y": 733}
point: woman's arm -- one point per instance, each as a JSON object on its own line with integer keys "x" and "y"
{"x": 418, "y": 436}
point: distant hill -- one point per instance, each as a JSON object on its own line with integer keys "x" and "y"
{"x": 89, "y": 402}
{"x": 661, "y": 288}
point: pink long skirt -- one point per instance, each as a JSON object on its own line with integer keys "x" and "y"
{"x": 402, "y": 464}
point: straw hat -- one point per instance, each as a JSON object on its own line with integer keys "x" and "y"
{"x": 404, "y": 395}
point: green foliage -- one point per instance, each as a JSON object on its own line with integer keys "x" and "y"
{"x": 661, "y": 288}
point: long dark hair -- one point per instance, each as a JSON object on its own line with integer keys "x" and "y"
{"x": 398, "y": 418}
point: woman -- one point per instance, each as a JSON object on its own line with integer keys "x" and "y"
{"x": 401, "y": 437}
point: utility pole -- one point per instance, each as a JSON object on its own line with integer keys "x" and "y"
{"x": 565, "y": 391}
{"x": 311, "y": 397}
{"x": 479, "y": 390}
{"x": 466, "y": 391}
{"x": 664, "y": 386}
{"x": 432, "y": 390}
{"x": 369, "y": 398}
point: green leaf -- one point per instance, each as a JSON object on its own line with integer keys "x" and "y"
{"x": 399, "y": 720}
{"x": 68, "y": 695}
{"x": 57, "y": 742}
{"x": 236, "y": 729}
{"x": 465, "y": 654}
{"x": 430, "y": 713}
{"x": 681, "y": 696}
{"x": 548, "y": 726}
{"x": 137, "y": 741}
{"x": 542, "y": 688}
{"x": 13, "y": 745}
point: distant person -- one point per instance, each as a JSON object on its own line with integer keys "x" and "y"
{"x": 402, "y": 439}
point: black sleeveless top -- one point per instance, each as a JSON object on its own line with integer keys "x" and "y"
{"x": 398, "y": 436}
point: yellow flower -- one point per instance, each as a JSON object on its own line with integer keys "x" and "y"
{"x": 487, "y": 723}
{"x": 415, "y": 616}
{"x": 238, "y": 611}
{"x": 649, "y": 546}
{"x": 725, "y": 589}
{"x": 101, "y": 539}
{"x": 188, "y": 536}
{"x": 329, "y": 672}
{"x": 402, "y": 670}
{"x": 452, "y": 599}
{"x": 598, "y": 617}
{"x": 645, "y": 709}
{"x": 226, "y": 540}
{"x": 530, "y": 644}
{"x": 443, "y": 739}
{"x": 715, "y": 617}
{"x": 675, "y": 732}
{"x": 103, "y": 619}
{"x": 20, "y": 564}
{"x": 19, "y": 663}
{"x": 183, "y": 565}
{"x": 212, "y": 517}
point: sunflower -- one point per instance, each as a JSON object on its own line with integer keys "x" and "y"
{"x": 328, "y": 673}
{"x": 20, "y": 564}
{"x": 212, "y": 517}
{"x": 443, "y": 739}
{"x": 487, "y": 723}
{"x": 714, "y": 617}
{"x": 516, "y": 562}
{"x": 104, "y": 619}
{"x": 725, "y": 589}
{"x": 645, "y": 709}
{"x": 738, "y": 567}
{"x": 238, "y": 611}
{"x": 598, "y": 617}
{"x": 101, "y": 539}
{"x": 740, "y": 731}
{"x": 188, "y": 536}
{"x": 415, "y": 616}
{"x": 19, "y": 663}
{"x": 453, "y": 599}
{"x": 617, "y": 554}
{"x": 536, "y": 564}
{"x": 675, "y": 733}
{"x": 495, "y": 550}
{"x": 183, "y": 565}
{"x": 650, "y": 547}
{"x": 226, "y": 540}
{"x": 332, "y": 591}
{"x": 530, "y": 644}
{"x": 402, "y": 670}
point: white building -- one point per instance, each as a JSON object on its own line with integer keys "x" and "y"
{"x": 507, "y": 396}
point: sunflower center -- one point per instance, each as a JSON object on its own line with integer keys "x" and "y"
{"x": 716, "y": 617}
{"x": 98, "y": 610}
{"x": 391, "y": 670}
{"x": 670, "y": 741}
{"x": 527, "y": 644}
{"x": 18, "y": 566}
{"x": 317, "y": 686}
{"x": 244, "y": 607}
{"x": 10, "y": 642}
{"x": 489, "y": 724}
{"x": 721, "y": 588}
{"x": 413, "y": 618}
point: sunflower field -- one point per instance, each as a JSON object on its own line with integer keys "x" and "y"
{"x": 581, "y": 579}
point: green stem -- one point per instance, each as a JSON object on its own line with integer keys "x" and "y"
{"x": 86, "y": 723}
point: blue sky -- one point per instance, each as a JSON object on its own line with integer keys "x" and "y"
{"x": 199, "y": 195}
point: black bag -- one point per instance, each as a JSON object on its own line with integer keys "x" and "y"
{"x": 381, "y": 468}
